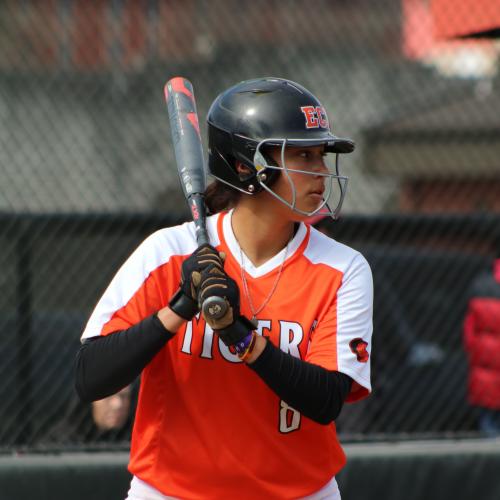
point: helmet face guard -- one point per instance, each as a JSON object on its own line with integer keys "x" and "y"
{"x": 255, "y": 114}
{"x": 329, "y": 205}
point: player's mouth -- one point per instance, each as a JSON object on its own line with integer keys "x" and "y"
{"x": 317, "y": 192}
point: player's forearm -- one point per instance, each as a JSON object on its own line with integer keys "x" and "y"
{"x": 106, "y": 364}
{"x": 310, "y": 389}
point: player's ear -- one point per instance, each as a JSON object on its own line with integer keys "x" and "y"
{"x": 242, "y": 170}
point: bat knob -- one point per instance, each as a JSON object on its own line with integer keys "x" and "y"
{"x": 214, "y": 307}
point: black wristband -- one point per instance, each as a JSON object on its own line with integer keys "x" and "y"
{"x": 183, "y": 305}
{"x": 236, "y": 332}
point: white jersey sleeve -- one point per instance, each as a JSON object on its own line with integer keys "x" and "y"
{"x": 354, "y": 322}
{"x": 147, "y": 279}
{"x": 342, "y": 339}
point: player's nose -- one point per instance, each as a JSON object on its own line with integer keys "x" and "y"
{"x": 320, "y": 166}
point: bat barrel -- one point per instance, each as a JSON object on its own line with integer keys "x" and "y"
{"x": 188, "y": 150}
{"x": 186, "y": 135}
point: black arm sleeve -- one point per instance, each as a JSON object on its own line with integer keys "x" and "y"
{"x": 310, "y": 389}
{"x": 106, "y": 364}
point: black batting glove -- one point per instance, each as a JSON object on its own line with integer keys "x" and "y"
{"x": 185, "y": 300}
{"x": 232, "y": 327}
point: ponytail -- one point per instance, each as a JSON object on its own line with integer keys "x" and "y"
{"x": 220, "y": 197}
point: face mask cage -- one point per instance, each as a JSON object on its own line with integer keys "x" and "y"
{"x": 332, "y": 197}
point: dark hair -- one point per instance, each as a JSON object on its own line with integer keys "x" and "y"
{"x": 220, "y": 197}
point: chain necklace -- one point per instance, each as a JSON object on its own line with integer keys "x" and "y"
{"x": 247, "y": 292}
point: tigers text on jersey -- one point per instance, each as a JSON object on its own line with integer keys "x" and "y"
{"x": 206, "y": 425}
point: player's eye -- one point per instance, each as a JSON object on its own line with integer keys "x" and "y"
{"x": 305, "y": 154}
{"x": 311, "y": 155}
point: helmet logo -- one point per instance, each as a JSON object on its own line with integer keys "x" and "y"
{"x": 315, "y": 116}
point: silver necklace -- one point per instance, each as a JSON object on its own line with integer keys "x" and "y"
{"x": 247, "y": 292}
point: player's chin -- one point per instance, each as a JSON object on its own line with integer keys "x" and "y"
{"x": 304, "y": 205}
{"x": 310, "y": 203}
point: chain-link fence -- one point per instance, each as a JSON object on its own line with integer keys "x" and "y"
{"x": 86, "y": 172}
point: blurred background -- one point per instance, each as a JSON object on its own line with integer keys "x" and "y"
{"x": 87, "y": 171}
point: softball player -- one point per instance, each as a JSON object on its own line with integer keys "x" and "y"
{"x": 242, "y": 406}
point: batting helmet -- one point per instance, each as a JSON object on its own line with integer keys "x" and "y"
{"x": 254, "y": 114}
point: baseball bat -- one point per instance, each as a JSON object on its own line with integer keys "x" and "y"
{"x": 188, "y": 149}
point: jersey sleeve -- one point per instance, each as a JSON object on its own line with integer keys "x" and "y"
{"x": 143, "y": 284}
{"x": 342, "y": 339}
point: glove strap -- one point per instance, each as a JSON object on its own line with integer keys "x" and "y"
{"x": 183, "y": 305}
{"x": 237, "y": 333}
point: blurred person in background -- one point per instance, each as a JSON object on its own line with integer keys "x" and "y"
{"x": 105, "y": 421}
{"x": 243, "y": 405}
{"x": 482, "y": 345}
{"x": 112, "y": 413}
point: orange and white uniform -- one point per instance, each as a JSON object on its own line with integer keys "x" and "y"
{"x": 207, "y": 427}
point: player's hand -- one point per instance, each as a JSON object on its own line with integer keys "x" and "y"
{"x": 185, "y": 301}
{"x": 214, "y": 282}
{"x": 232, "y": 328}
{"x": 204, "y": 257}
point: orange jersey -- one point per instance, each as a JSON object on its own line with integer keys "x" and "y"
{"x": 207, "y": 427}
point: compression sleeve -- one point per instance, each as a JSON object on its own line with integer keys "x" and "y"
{"x": 312, "y": 390}
{"x": 108, "y": 363}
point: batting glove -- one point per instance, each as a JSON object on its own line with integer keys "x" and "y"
{"x": 232, "y": 327}
{"x": 185, "y": 300}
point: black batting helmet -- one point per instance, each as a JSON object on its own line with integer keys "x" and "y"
{"x": 262, "y": 112}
